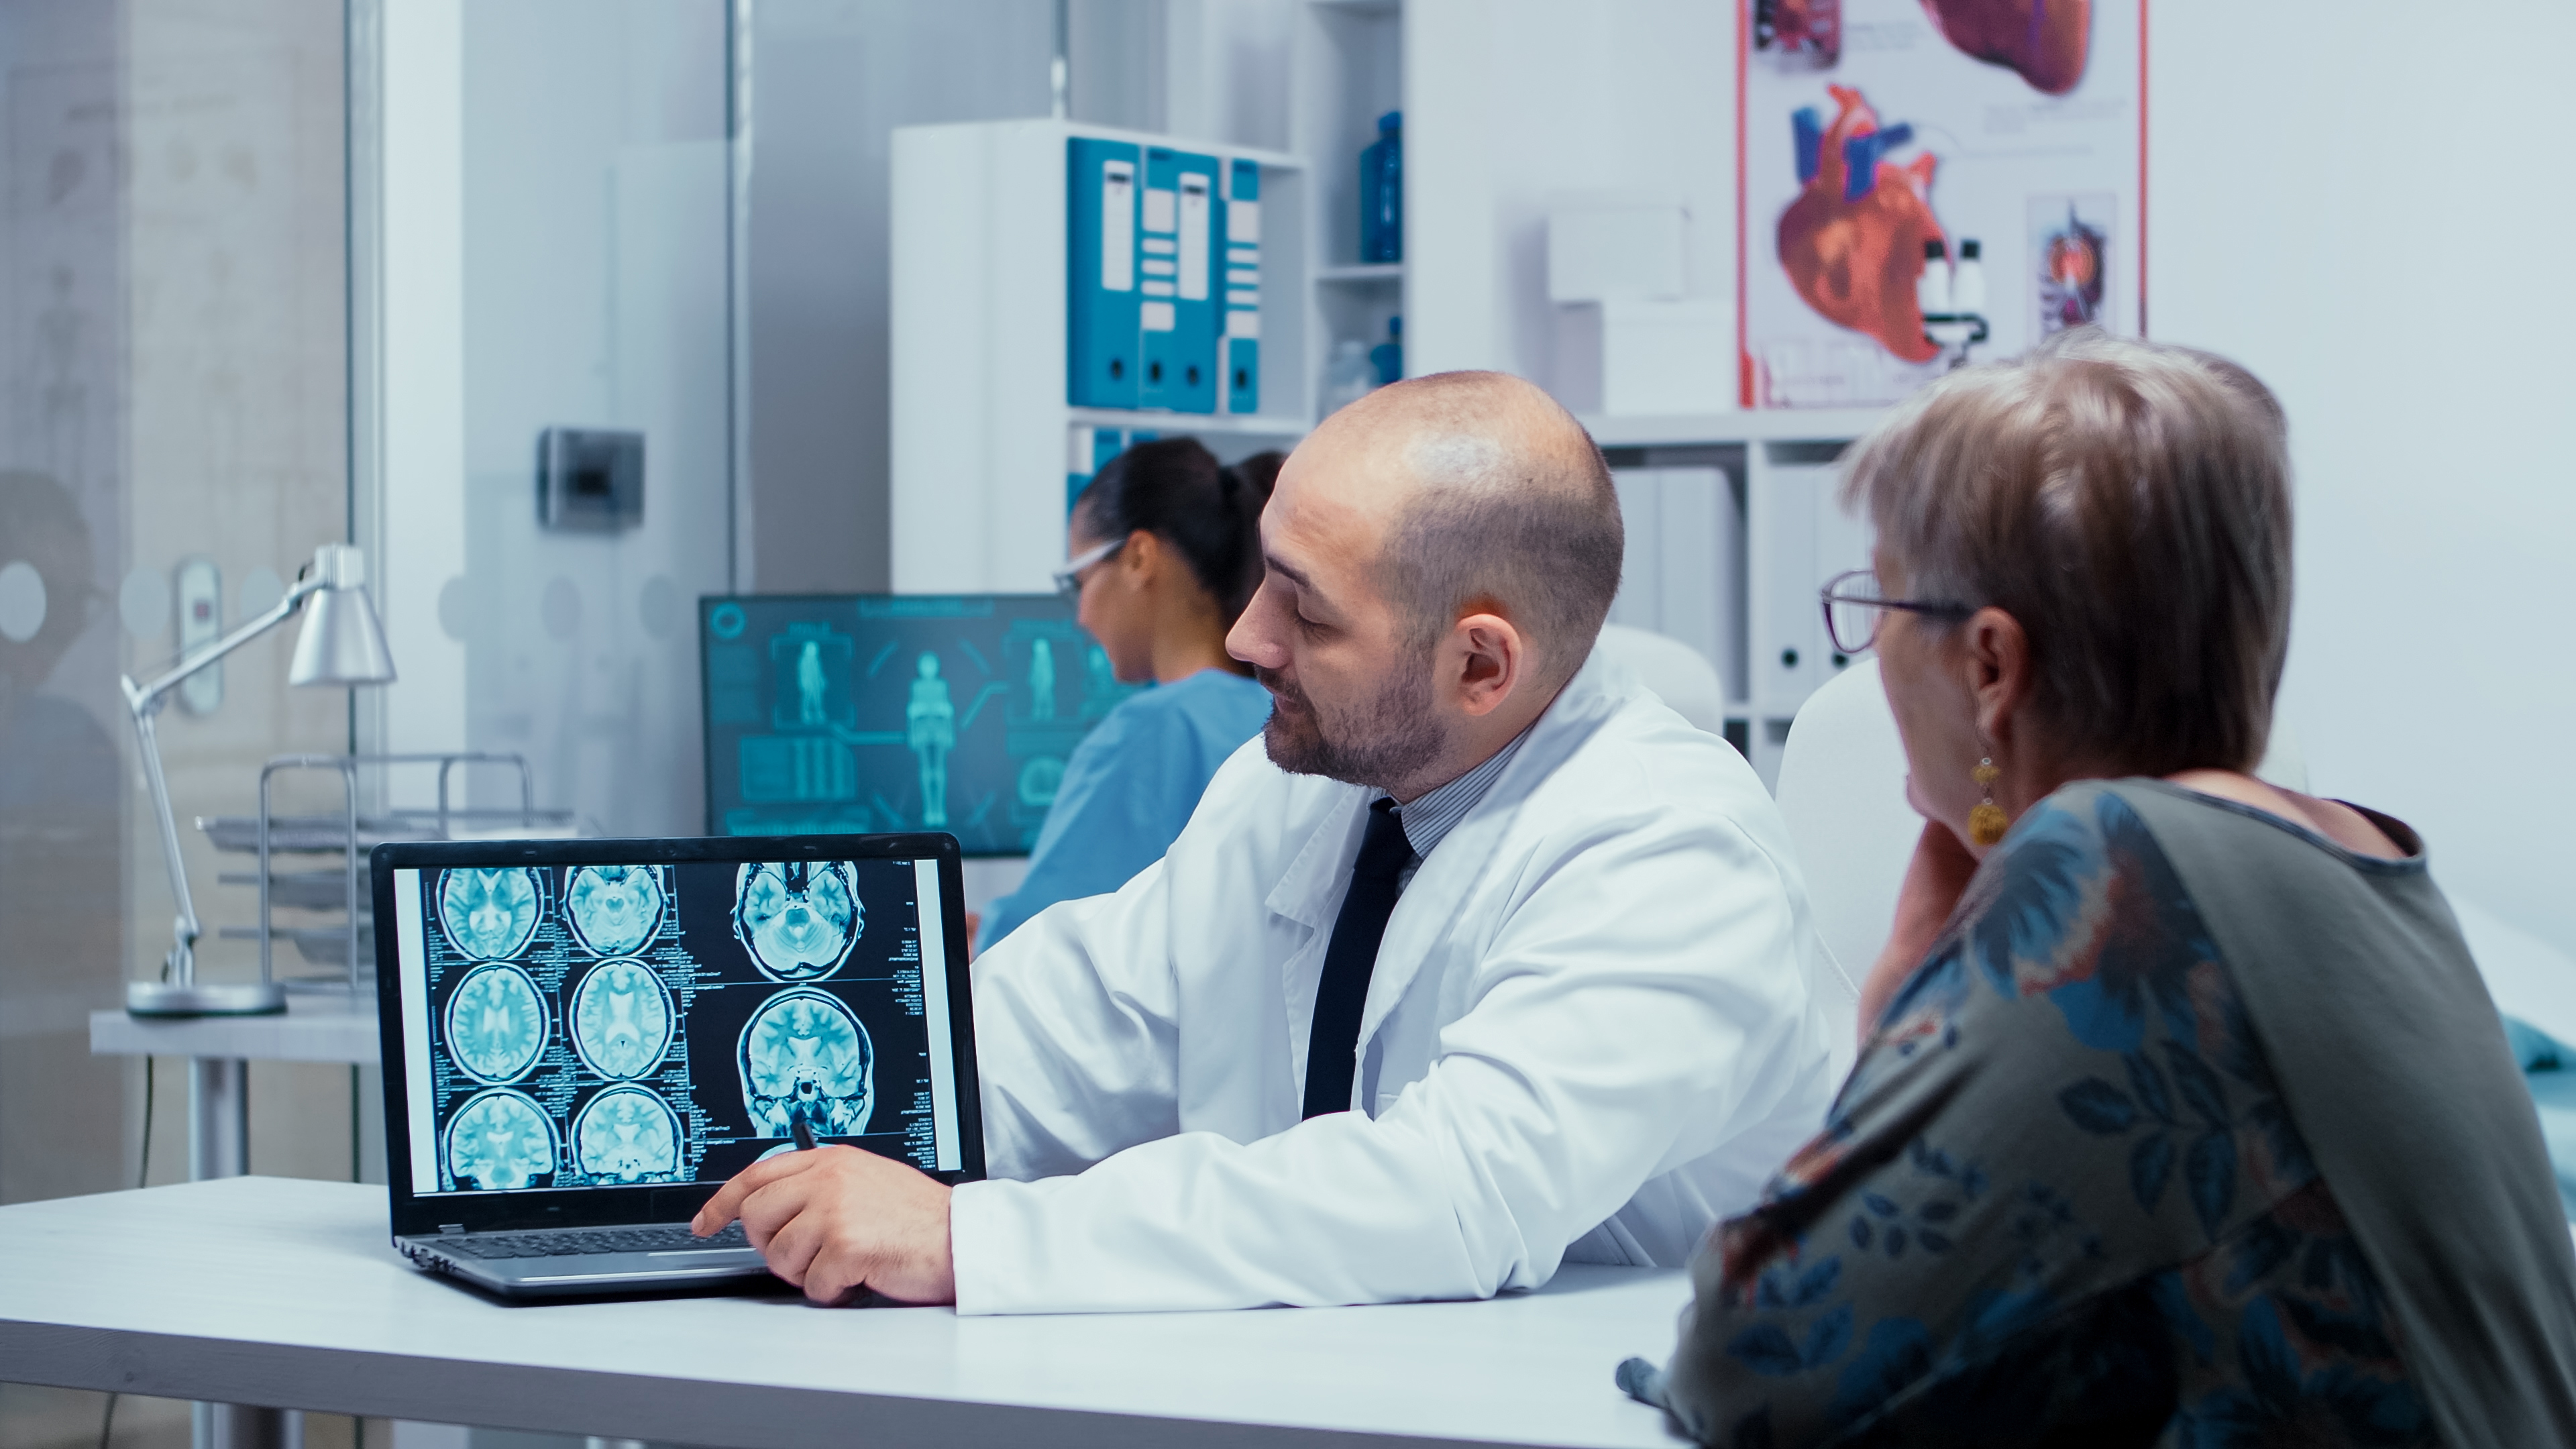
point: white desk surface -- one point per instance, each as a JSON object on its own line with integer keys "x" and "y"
{"x": 286, "y": 1293}
{"x": 320, "y": 1027}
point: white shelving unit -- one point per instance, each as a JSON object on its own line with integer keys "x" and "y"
{"x": 980, "y": 424}
{"x": 1745, "y": 528}
{"x": 1748, "y": 499}
{"x": 1346, "y": 70}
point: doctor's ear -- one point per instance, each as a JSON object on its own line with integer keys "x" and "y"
{"x": 1483, "y": 661}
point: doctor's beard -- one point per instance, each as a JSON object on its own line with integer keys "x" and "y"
{"x": 1388, "y": 738}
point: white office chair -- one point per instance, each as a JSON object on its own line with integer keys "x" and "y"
{"x": 1676, "y": 672}
{"x": 1842, "y": 790}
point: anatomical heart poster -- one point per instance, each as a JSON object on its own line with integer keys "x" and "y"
{"x": 1929, "y": 183}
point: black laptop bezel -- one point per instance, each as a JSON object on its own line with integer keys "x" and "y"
{"x": 418, "y": 1216}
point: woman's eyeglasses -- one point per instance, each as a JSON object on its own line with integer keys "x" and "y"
{"x": 1068, "y": 580}
{"x": 1855, "y": 606}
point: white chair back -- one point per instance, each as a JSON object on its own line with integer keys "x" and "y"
{"x": 1842, "y": 790}
{"x": 1676, "y": 672}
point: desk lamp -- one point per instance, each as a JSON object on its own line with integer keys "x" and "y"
{"x": 341, "y": 644}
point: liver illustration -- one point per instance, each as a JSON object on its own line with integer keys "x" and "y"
{"x": 2044, "y": 40}
{"x": 1852, "y": 243}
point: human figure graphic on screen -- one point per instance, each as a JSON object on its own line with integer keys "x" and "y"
{"x": 1041, "y": 680}
{"x": 809, "y": 683}
{"x": 930, "y": 729}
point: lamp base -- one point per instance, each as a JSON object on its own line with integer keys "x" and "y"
{"x": 204, "y": 998}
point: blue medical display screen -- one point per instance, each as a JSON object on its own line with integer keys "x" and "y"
{"x": 606, "y": 1025}
{"x": 856, "y": 713}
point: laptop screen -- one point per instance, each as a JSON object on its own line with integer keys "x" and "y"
{"x": 599, "y": 1025}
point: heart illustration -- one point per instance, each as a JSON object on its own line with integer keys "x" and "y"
{"x": 2044, "y": 40}
{"x": 1852, "y": 243}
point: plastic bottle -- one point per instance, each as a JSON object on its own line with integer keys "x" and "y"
{"x": 1388, "y": 356}
{"x": 1968, "y": 280}
{"x": 1932, "y": 289}
{"x": 1382, "y": 192}
{"x": 1348, "y": 377}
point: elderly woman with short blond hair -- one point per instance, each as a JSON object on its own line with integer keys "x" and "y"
{"x": 2182, "y": 1116}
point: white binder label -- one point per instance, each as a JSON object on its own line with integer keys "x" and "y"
{"x": 1243, "y": 221}
{"x": 1158, "y": 289}
{"x": 1161, "y": 267}
{"x": 1117, "y": 226}
{"x": 1194, "y": 238}
{"x": 1078, "y": 450}
{"x": 1156, "y": 316}
{"x": 1241, "y": 323}
{"x": 1158, "y": 209}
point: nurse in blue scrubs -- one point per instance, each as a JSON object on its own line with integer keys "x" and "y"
{"x": 1165, "y": 552}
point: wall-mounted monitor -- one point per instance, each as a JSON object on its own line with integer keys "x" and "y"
{"x": 852, "y": 713}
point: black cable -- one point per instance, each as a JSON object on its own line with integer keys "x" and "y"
{"x": 143, "y": 1170}
{"x": 142, "y": 1177}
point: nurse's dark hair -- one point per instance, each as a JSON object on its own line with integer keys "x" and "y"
{"x": 1174, "y": 489}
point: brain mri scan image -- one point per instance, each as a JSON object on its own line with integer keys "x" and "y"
{"x": 798, "y": 918}
{"x": 621, "y": 1019}
{"x": 628, "y": 1134}
{"x": 804, "y": 1056}
{"x": 613, "y": 908}
{"x": 489, "y": 914}
{"x": 496, "y": 1024}
{"x": 498, "y": 1142}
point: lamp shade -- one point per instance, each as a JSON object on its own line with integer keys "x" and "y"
{"x": 342, "y": 643}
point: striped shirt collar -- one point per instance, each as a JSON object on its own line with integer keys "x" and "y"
{"x": 1428, "y": 820}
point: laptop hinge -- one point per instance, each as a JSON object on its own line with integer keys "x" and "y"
{"x": 447, "y": 1229}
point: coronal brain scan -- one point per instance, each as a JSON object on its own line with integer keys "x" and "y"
{"x": 627, "y": 1134}
{"x": 621, "y": 1019}
{"x": 805, "y": 1057}
{"x": 798, "y": 918}
{"x": 489, "y": 914}
{"x": 496, "y": 1023}
{"x": 499, "y": 1142}
{"x": 613, "y": 908}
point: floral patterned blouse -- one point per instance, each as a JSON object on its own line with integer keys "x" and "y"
{"x": 2059, "y": 1200}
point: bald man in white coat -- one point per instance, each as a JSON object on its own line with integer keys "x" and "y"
{"x": 1480, "y": 960}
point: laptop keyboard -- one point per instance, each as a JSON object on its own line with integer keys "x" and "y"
{"x": 558, "y": 1244}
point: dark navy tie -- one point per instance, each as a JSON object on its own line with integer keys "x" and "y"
{"x": 1332, "y": 1045}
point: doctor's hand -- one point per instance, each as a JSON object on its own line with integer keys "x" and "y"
{"x": 835, "y": 1220}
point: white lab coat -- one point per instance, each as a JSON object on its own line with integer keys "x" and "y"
{"x": 1589, "y": 1035}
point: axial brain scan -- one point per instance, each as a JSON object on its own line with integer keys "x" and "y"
{"x": 495, "y": 1023}
{"x": 798, "y": 918}
{"x": 628, "y": 1134}
{"x": 499, "y": 1141}
{"x": 489, "y": 914}
{"x": 613, "y": 908}
{"x": 621, "y": 1019}
{"x": 804, "y": 1056}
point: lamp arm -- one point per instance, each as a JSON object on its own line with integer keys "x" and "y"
{"x": 145, "y": 699}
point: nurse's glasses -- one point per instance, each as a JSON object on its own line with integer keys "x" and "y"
{"x": 1068, "y": 580}
{"x": 1855, "y": 607}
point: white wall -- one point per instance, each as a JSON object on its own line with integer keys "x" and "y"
{"x": 1511, "y": 105}
{"x": 2357, "y": 202}
{"x": 554, "y": 240}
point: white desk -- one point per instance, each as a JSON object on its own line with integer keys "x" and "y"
{"x": 321, "y": 1027}
{"x": 268, "y": 1291}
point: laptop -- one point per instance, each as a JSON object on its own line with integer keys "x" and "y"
{"x": 583, "y": 1039}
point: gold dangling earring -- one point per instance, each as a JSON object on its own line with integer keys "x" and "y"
{"x": 1986, "y": 821}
